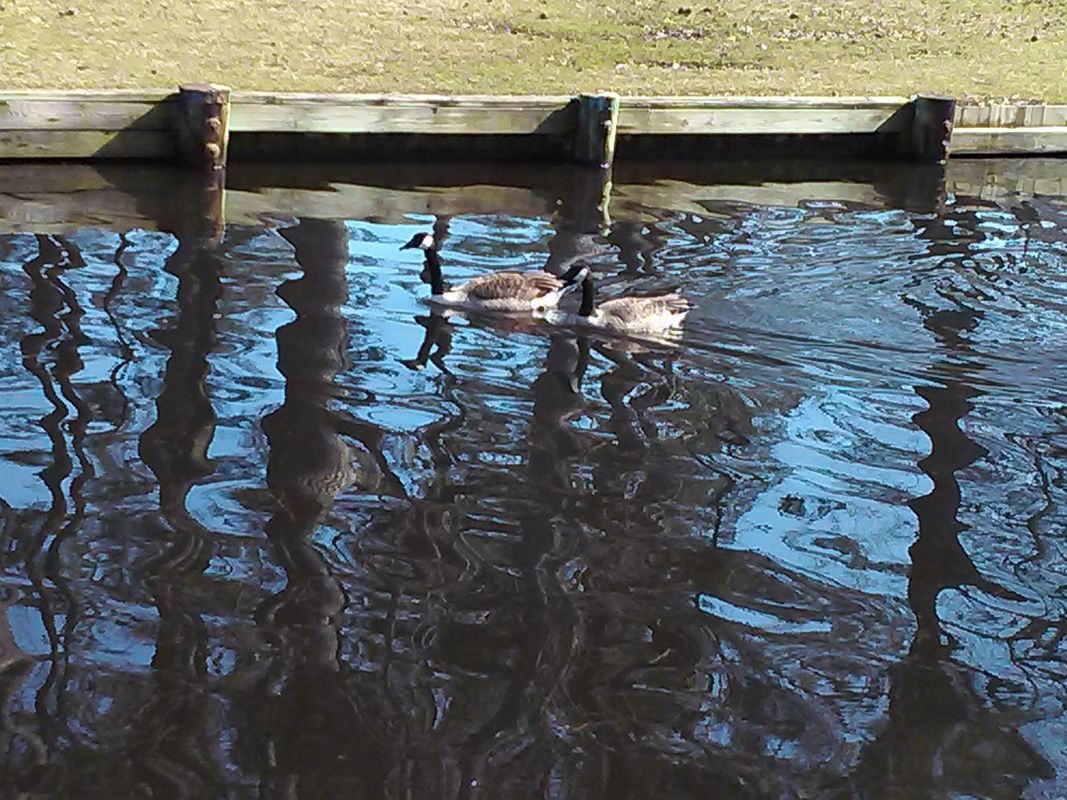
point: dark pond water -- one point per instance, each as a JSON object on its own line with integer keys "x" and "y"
{"x": 270, "y": 528}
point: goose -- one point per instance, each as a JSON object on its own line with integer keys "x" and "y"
{"x": 637, "y": 314}
{"x": 497, "y": 291}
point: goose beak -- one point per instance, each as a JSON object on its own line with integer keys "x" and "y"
{"x": 575, "y": 275}
{"x": 422, "y": 241}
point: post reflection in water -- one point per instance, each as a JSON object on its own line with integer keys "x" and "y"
{"x": 176, "y": 746}
{"x": 937, "y": 721}
{"x": 271, "y": 527}
{"x": 55, "y": 306}
{"x": 321, "y": 739}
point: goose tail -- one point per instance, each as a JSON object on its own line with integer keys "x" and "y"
{"x": 677, "y": 304}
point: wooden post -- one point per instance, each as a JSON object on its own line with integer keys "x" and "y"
{"x": 928, "y": 137}
{"x": 203, "y": 125}
{"x": 594, "y": 135}
{"x": 203, "y": 134}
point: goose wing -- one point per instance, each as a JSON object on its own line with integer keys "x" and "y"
{"x": 512, "y": 286}
{"x": 632, "y": 310}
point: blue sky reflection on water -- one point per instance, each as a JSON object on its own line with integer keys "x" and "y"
{"x": 273, "y": 521}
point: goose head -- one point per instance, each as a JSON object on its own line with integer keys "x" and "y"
{"x": 576, "y": 274}
{"x": 422, "y": 241}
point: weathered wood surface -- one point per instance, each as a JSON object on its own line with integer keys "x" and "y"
{"x": 595, "y": 128}
{"x": 759, "y": 115}
{"x": 106, "y": 124}
{"x": 86, "y": 124}
{"x": 1010, "y": 116}
{"x": 1008, "y": 141}
{"x": 56, "y": 144}
{"x": 88, "y": 95}
{"x": 84, "y": 115}
{"x": 255, "y": 112}
{"x": 202, "y": 125}
{"x": 796, "y": 103}
{"x": 928, "y": 137}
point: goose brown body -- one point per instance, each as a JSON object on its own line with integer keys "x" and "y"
{"x": 638, "y": 314}
{"x": 643, "y": 313}
{"x": 498, "y": 291}
{"x": 509, "y": 290}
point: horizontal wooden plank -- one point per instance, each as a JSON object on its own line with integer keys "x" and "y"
{"x": 89, "y": 95}
{"x": 267, "y": 112}
{"x": 787, "y": 102}
{"x": 1010, "y": 116}
{"x": 86, "y": 144}
{"x": 293, "y": 113}
{"x": 1008, "y": 141}
{"x": 762, "y": 116}
{"x": 33, "y": 123}
{"x": 472, "y": 100}
{"x": 85, "y": 115}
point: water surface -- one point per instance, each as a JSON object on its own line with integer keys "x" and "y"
{"x": 270, "y": 527}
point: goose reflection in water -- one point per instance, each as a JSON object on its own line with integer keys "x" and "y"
{"x": 439, "y": 329}
{"x": 567, "y": 360}
{"x": 436, "y": 342}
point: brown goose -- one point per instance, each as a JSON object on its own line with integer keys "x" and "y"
{"x": 649, "y": 314}
{"x": 498, "y": 291}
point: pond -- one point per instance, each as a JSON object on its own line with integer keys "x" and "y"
{"x": 271, "y": 526}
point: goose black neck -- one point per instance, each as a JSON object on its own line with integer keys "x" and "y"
{"x": 586, "y": 308}
{"x": 433, "y": 266}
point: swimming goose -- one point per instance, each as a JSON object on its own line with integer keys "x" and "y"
{"x": 650, "y": 314}
{"x": 498, "y": 291}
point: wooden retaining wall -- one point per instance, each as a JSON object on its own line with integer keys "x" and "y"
{"x": 195, "y": 124}
{"x": 1010, "y": 130}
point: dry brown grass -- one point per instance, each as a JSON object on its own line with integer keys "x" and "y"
{"x": 978, "y": 48}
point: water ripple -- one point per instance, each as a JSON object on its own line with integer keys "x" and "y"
{"x": 269, "y": 522}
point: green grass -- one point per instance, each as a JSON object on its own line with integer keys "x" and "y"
{"x": 1015, "y": 49}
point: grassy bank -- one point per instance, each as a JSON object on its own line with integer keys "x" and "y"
{"x": 983, "y": 49}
